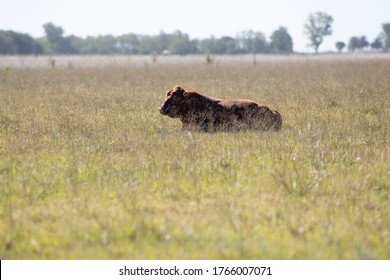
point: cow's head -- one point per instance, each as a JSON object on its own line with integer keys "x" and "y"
{"x": 172, "y": 105}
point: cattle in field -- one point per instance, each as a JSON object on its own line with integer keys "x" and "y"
{"x": 199, "y": 112}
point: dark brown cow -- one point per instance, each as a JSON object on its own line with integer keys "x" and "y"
{"x": 198, "y": 112}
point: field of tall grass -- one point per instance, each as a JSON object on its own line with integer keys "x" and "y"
{"x": 89, "y": 169}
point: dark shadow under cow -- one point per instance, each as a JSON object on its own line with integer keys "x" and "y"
{"x": 198, "y": 112}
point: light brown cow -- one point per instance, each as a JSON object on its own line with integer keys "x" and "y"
{"x": 198, "y": 112}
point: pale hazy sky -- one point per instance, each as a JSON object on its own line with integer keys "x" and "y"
{"x": 198, "y": 18}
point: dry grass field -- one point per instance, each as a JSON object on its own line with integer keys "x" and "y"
{"x": 89, "y": 169}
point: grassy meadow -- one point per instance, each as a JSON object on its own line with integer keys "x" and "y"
{"x": 89, "y": 169}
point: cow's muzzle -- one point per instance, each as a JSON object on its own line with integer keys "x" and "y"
{"x": 163, "y": 111}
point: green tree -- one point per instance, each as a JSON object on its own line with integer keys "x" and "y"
{"x": 357, "y": 43}
{"x": 129, "y": 43}
{"x": 386, "y": 35}
{"x": 281, "y": 41}
{"x": 59, "y": 43}
{"x": 44, "y": 43}
{"x": 363, "y": 42}
{"x": 7, "y": 45}
{"x": 224, "y": 45}
{"x": 227, "y": 45}
{"x": 181, "y": 44}
{"x": 26, "y": 44}
{"x": 54, "y": 35}
{"x": 147, "y": 45}
{"x": 259, "y": 43}
{"x": 317, "y": 26}
{"x": 74, "y": 44}
{"x": 354, "y": 43}
{"x": 249, "y": 41}
{"x": 18, "y": 43}
{"x": 340, "y": 46}
{"x": 208, "y": 46}
{"x": 377, "y": 44}
{"x": 105, "y": 44}
{"x": 163, "y": 41}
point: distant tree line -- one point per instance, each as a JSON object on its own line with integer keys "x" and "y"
{"x": 317, "y": 26}
{"x": 381, "y": 42}
{"x": 17, "y": 43}
{"x": 359, "y": 43}
{"x": 55, "y": 42}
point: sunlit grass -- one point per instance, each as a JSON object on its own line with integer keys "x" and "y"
{"x": 90, "y": 169}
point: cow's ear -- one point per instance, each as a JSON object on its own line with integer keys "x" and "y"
{"x": 178, "y": 89}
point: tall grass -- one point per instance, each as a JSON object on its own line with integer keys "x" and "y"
{"x": 90, "y": 169}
